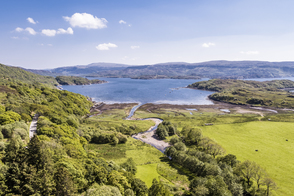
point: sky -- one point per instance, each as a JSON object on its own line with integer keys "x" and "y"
{"x": 54, "y": 33}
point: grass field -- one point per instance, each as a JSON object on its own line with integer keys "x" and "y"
{"x": 140, "y": 152}
{"x": 275, "y": 154}
{"x": 147, "y": 173}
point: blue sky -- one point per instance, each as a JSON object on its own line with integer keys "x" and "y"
{"x": 53, "y": 33}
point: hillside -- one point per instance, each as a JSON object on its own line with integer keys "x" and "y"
{"x": 243, "y": 92}
{"x": 9, "y": 73}
{"x": 211, "y": 69}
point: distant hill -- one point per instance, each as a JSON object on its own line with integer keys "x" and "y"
{"x": 211, "y": 69}
{"x": 10, "y": 73}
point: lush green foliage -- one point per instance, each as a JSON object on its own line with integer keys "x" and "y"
{"x": 75, "y": 80}
{"x": 55, "y": 162}
{"x": 165, "y": 129}
{"x": 12, "y": 74}
{"x": 250, "y": 92}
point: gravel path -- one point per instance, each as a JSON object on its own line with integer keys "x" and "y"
{"x": 150, "y": 136}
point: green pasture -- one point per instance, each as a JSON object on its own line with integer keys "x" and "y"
{"x": 147, "y": 173}
{"x": 140, "y": 152}
{"x": 275, "y": 154}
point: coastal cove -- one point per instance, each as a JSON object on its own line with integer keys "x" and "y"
{"x": 126, "y": 90}
{"x": 158, "y": 91}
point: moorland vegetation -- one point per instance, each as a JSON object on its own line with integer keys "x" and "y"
{"x": 268, "y": 93}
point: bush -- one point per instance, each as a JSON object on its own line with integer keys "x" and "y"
{"x": 174, "y": 140}
{"x": 2, "y": 146}
{"x": 180, "y": 146}
{"x": 26, "y": 117}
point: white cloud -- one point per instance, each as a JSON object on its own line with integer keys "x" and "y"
{"x": 31, "y": 31}
{"x": 31, "y": 20}
{"x": 18, "y": 29}
{"x": 207, "y": 45}
{"x": 106, "y": 46}
{"x": 49, "y": 44}
{"x": 15, "y": 37}
{"x": 49, "y": 32}
{"x": 85, "y": 20}
{"x": 63, "y": 31}
{"x": 28, "y": 29}
{"x": 134, "y": 47}
{"x": 122, "y": 22}
{"x": 250, "y": 52}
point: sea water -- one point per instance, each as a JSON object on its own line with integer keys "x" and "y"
{"x": 126, "y": 90}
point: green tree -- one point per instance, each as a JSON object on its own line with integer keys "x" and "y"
{"x": 158, "y": 189}
{"x": 116, "y": 179}
{"x": 2, "y": 109}
{"x": 270, "y": 185}
{"x": 193, "y": 137}
{"x": 64, "y": 182}
{"x": 139, "y": 187}
{"x": 217, "y": 186}
{"x": 180, "y": 146}
{"x": 129, "y": 192}
{"x": 198, "y": 187}
{"x": 130, "y": 166}
{"x": 246, "y": 169}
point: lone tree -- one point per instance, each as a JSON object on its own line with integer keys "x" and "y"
{"x": 270, "y": 185}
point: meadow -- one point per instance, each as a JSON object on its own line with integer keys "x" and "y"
{"x": 274, "y": 142}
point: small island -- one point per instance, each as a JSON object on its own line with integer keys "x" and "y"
{"x": 149, "y": 77}
{"x": 75, "y": 80}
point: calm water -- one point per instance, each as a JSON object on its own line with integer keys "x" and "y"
{"x": 126, "y": 90}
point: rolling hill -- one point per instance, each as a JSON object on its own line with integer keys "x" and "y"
{"x": 211, "y": 69}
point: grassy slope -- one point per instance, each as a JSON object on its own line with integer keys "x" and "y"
{"x": 275, "y": 154}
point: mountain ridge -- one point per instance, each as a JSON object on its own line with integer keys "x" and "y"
{"x": 209, "y": 69}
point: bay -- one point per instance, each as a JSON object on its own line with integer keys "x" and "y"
{"x": 159, "y": 91}
{"x": 126, "y": 90}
